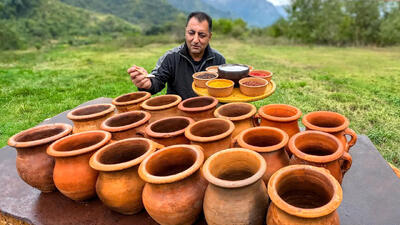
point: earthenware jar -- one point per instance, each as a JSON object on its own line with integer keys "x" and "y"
{"x": 90, "y": 117}
{"x": 169, "y": 131}
{"x": 162, "y": 106}
{"x": 72, "y": 174}
{"x": 212, "y": 135}
{"x": 320, "y": 149}
{"x": 131, "y": 101}
{"x": 34, "y": 166}
{"x": 198, "y": 108}
{"x": 240, "y": 113}
{"x": 126, "y": 125}
{"x": 175, "y": 188}
{"x": 303, "y": 194}
{"x": 236, "y": 193}
{"x": 333, "y": 123}
{"x": 270, "y": 143}
{"x": 118, "y": 185}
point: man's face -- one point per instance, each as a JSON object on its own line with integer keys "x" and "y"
{"x": 197, "y": 36}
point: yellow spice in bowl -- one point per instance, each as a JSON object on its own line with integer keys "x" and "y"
{"x": 219, "y": 84}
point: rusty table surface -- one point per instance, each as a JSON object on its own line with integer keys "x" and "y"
{"x": 371, "y": 194}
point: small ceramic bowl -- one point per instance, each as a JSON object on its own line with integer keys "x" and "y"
{"x": 252, "y": 86}
{"x": 200, "y": 81}
{"x": 264, "y": 74}
{"x": 212, "y": 69}
{"x": 233, "y": 72}
{"x": 220, "y": 87}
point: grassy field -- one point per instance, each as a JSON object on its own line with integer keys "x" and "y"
{"x": 361, "y": 83}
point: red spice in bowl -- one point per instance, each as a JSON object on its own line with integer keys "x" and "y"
{"x": 265, "y": 74}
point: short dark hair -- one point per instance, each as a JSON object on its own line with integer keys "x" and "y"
{"x": 201, "y": 16}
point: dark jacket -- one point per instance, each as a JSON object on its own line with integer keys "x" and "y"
{"x": 176, "y": 68}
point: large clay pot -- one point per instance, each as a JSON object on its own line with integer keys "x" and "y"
{"x": 90, "y": 117}
{"x": 212, "y": 135}
{"x": 72, "y": 174}
{"x": 162, "y": 106}
{"x": 126, "y": 125}
{"x": 320, "y": 149}
{"x": 240, "y": 113}
{"x": 198, "y": 108}
{"x": 169, "y": 131}
{"x": 34, "y": 166}
{"x": 118, "y": 185}
{"x": 175, "y": 188}
{"x": 303, "y": 194}
{"x": 131, "y": 101}
{"x": 333, "y": 123}
{"x": 270, "y": 143}
{"x": 236, "y": 193}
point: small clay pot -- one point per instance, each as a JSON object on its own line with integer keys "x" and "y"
{"x": 118, "y": 185}
{"x": 162, "y": 106}
{"x": 126, "y": 125}
{"x": 333, "y": 123}
{"x": 175, "y": 189}
{"x": 169, "y": 131}
{"x": 131, "y": 101}
{"x": 267, "y": 75}
{"x": 224, "y": 91}
{"x": 240, "y": 113}
{"x": 90, "y": 117}
{"x": 201, "y": 82}
{"x": 212, "y": 135}
{"x": 259, "y": 87}
{"x": 212, "y": 69}
{"x": 198, "y": 108}
{"x": 320, "y": 149}
{"x": 236, "y": 193}
{"x": 72, "y": 174}
{"x": 303, "y": 194}
{"x": 34, "y": 166}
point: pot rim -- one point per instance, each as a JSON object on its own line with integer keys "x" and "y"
{"x": 202, "y": 72}
{"x": 198, "y": 109}
{"x": 193, "y": 137}
{"x": 234, "y": 184}
{"x": 145, "y": 106}
{"x": 149, "y": 178}
{"x": 272, "y": 148}
{"x": 252, "y": 112}
{"x": 324, "y": 210}
{"x": 145, "y": 97}
{"x": 265, "y": 82}
{"x": 154, "y": 134}
{"x": 27, "y": 144}
{"x": 91, "y": 116}
{"x": 53, "y": 152}
{"x": 261, "y": 71}
{"x": 280, "y": 119}
{"x": 309, "y": 125}
{"x": 108, "y": 128}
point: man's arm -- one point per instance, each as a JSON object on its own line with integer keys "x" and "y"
{"x": 162, "y": 72}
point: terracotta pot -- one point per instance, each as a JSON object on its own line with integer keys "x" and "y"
{"x": 201, "y": 82}
{"x": 34, "y": 166}
{"x": 175, "y": 188}
{"x": 270, "y": 143}
{"x": 169, "y": 131}
{"x": 240, "y": 113}
{"x": 236, "y": 193}
{"x": 198, "y": 108}
{"x": 320, "y": 149}
{"x": 72, "y": 174}
{"x": 303, "y": 194}
{"x": 264, "y": 74}
{"x": 212, "y": 135}
{"x": 223, "y": 91}
{"x": 257, "y": 86}
{"x": 90, "y": 117}
{"x": 333, "y": 123}
{"x": 126, "y": 125}
{"x": 131, "y": 101}
{"x": 118, "y": 185}
{"x": 162, "y": 106}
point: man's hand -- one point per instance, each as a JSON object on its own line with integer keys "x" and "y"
{"x": 139, "y": 77}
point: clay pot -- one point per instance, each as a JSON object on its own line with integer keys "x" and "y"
{"x": 240, "y": 113}
{"x": 118, "y": 185}
{"x": 333, "y": 123}
{"x": 198, "y": 108}
{"x": 270, "y": 143}
{"x": 169, "y": 131}
{"x": 90, "y": 117}
{"x": 34, "y": 166}
{"x": 223, "y": 91}
{"x": 175, "y": 188}
{"x": 303, "y": 194}
{"x": 236, "y": 193}
{"x": 72, "y": 174}
{"x": 264, "y": 74}
{"x": 253, "y": 86}
{"x": 320, "y": 149}
{"x": 126, "y": 125}
{"x": 201, "y": 82}
{"x": 212, "y": 135}
{"x": 162, "y": 106}
{"x": 131, "y": 101}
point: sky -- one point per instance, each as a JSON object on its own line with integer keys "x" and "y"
{"x": 279, "y": 2}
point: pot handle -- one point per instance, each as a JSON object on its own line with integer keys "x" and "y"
{"x": 256, "y": 120}
{"x": 353, "y": 135}
{"x": 140, "y": 132}
{"x": 157, "y": 146}
{"x": 346, "y": 163}
{"x": 234, "y": 141}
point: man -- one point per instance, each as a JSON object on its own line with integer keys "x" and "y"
{"x": 177, "y": 66}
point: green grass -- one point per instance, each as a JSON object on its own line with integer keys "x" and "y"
{"x": 361, "y": 83}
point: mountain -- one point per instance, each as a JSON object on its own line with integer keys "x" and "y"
{"x": 189, "y": 6}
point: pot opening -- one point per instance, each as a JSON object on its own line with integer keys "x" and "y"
{"x": 207, "y": 129}
{"x": 261, "y": 139}
{"x": 39, "y": 134}
{"x": 316, "y": 144}
{"x": 199, "y": 102}
{"x": 124, "y": 152}
{"x": 171, "y": 162}
{"x": 130, "y": 97}
{"x": 280, "y": 111}
{"x": 235, "y": 110}
{"x": 170, "y": 125}
{"x": 90, "y": 110}
{"x": 161, "y": 100}
{"x": 123, "y": 120}
{"x": 326, "y": 121}
{"x": 80, "y": 141}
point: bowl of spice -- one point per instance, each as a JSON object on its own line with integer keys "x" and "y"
{"x": 212, "y": 69}
{"x": 220, "y": 87}
{"x": 233, "y": 72}
{"x": 200, "y": 78}
{"x": 264, "y": 74}
{"x": 253, "y": 86}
